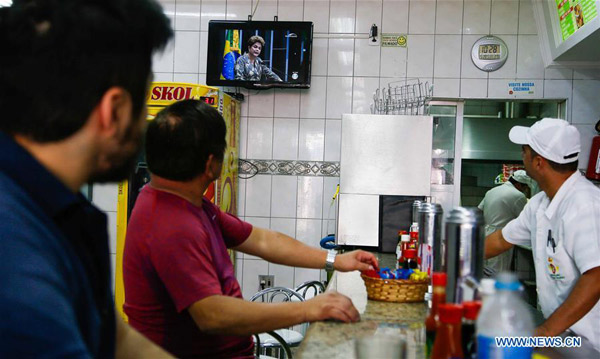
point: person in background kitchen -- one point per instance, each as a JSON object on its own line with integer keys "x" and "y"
{"x": 73, "y": 81}
{"x": 501, "y": 205}
{"x": 180, "y": 285}
{"x": 250, "y": 67}
{"x": 562, "y": 225}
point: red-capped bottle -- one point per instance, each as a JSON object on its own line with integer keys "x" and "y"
{"x": 414, "y": 236}
{"x": 438, "y": 280}
{"x": 448, "y": 343}
{"x": 469, "y": 338}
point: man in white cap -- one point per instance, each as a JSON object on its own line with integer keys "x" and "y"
{"x": 501, "y": 205}
{"x": 562, "y": 225}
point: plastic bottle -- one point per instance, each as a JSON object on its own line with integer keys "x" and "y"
{"x": 469, "y": 340}
{"x": 438, "y": 280}
{"x": 399, "y": 246}
{"x": 448, "y": 337}
{"x": 403, "y": 247}
{"x": 487, "y": 289}
{"x": 405, "y": 238}
{"x": 505, "y": 314}
{"x": 414, "y": 235}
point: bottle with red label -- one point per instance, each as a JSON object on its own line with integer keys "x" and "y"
{"x": 448, "y": 342}
{"x": 438, "y": 280}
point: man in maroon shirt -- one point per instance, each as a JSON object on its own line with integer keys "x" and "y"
{"x": 180, "y": 287}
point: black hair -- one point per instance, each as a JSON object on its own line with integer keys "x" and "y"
{"x": 558, "y": 167}
{"x": 59, "y": 57}
{"x": 516, "y": 183}
{"x": 181, "y": 137}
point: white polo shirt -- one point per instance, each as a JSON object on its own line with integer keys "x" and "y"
{"x": 501, "y": 205}
{"x": 572, "y": 219}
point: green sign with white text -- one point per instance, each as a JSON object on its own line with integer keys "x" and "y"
{"x": 573, "y": 14}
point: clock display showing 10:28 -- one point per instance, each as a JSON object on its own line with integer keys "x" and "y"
{"x": 489, "y": 52}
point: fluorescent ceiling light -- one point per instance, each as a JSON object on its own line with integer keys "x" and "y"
{"x": 5, "y": 3}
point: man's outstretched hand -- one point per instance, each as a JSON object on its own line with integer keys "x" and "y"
{"x": 356, "y": 260}
{"x": 330, "y": 305}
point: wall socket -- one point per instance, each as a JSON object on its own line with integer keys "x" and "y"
{"x": 265, "y": 281}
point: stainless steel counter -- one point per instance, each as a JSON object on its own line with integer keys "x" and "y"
{"x": 331, "y": 339}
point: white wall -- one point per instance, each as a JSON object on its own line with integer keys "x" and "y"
{"x": 305, "y": 124}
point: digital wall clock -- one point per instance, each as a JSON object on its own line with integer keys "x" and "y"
{"x": 489, "y": 53}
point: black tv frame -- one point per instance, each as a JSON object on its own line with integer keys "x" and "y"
{"x": 213, "y": 44}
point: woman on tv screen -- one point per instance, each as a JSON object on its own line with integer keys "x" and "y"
{"x": 249, "y": 67}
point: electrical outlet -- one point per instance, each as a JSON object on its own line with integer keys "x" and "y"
{"x": 265, "y": 281}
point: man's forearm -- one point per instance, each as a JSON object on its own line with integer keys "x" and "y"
{"x": 234, "y": 316}
{"x": 220, "y": 314}
{"x": 495, "y": 244}
{"x": 278, "y": 248}
{"x": 582, "y": 299}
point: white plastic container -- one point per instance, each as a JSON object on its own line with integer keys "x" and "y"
{"x": 504, "y": 314}
{"x": 404, "y": 239}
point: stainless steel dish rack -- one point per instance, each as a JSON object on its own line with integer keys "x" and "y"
{"x": 404, "y": 97}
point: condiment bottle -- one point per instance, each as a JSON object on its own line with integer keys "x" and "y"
{"x": 414, "y": 236}
{"x": 405, "y": 238}
{"x": 438, "y": 280}
{"x": 410, "y": 259}
{"x": 399, "y": 247}
{"x": 448, "y": 337}
{"x": 404, "y": 241}
{"x": 469, "y": 338}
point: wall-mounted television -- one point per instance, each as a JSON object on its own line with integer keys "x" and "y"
{"x": 259, "y": 54}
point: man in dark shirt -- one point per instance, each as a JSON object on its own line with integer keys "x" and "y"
{"x": 73, "y": 79}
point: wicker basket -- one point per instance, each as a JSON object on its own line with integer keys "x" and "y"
{"x": 395, "y": 290}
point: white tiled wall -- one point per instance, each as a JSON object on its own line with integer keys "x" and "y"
{"x": 305, "y": 124}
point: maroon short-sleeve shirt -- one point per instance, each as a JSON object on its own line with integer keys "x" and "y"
{"x": 175, "y": 255}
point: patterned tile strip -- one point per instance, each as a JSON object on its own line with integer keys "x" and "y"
{"x": 293, "y": 168}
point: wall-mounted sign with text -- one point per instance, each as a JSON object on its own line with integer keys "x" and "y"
{"x": 393, "y": 40}
{"x": 518, "y": 88}
{"x": 573, "y": 14}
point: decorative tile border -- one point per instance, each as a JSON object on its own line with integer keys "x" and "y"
{"x": 293, "y": 168}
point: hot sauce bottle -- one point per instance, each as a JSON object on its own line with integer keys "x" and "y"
{"x": 469, "y": 340}
{"x": 448, "y": 344}
{"x": 438, "y": 280}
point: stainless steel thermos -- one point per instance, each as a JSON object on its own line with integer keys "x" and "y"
{"x": 430, "y": 237}
{"x": 465, "y": 239}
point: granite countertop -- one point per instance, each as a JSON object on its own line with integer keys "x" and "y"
{"x": 330, "y": 339}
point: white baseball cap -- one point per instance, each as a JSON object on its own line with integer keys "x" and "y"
{"x": 552, "y": 138}
{"x": 521, "y": 177}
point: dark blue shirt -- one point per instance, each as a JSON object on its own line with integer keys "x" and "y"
{"x": 55, "y": 296}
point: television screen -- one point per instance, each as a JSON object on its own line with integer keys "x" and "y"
{"x": 259, "y": 54}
